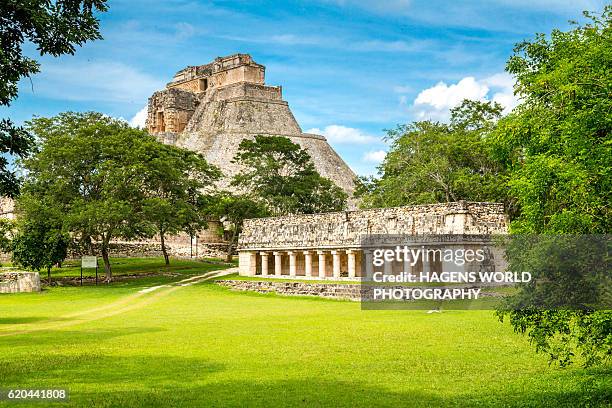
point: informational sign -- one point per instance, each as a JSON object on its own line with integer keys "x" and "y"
{"x": 89, "y": 262}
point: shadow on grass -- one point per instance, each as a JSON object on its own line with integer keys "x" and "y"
{"x": 83, "y": 340}
{"x": 22, "y": 320}
{"x": 141, "y": 380}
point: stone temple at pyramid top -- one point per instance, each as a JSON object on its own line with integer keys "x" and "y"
{"x": 211, "y": 108}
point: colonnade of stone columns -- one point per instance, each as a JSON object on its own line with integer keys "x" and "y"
{"x": 357, "y": 264}
{"x": 309, "y": 256}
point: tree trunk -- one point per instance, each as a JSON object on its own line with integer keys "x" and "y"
{"x": 105, "y": 258}
{"x": 163, "y": 246}
{"x": 230, "y": 248}
{"x": 49, "y": 274}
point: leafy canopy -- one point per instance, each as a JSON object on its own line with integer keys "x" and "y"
{"x": 431, "y": 162}
{"x": 281, "y": 174}
{"x": 104, "y": 177}
{"x": 55, "y": 28}
{"x": 556, "y": 145}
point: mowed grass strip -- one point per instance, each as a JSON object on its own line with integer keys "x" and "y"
{"x": 204, "y": 345}
{"x": 137, "y": 266}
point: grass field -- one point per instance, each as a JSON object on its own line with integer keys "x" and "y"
{"x": 203, "y": 345}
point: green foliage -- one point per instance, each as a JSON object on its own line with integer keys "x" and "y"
{"x": 282, "y": 175}
{"x": 105, "y": 178}
{"x": 557, "y": 147}
{"x": 179, "y": 184}
{"x": 40, "y": 241}
{"x": 233, "y": 210}
{"x": 55, "y": 28}
{"x": 436, "y": 162}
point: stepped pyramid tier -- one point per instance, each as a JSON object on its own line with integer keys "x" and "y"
{"x": 211, "y": 108}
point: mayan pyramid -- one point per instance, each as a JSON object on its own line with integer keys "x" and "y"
{"x": 211, "y": 108}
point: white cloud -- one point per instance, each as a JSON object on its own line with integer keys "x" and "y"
{"x": 343, "y": 134}
{"x": 376, "y": 156}
{"x": 184, "y": 31}
{"x": 99, "y": 81}
{"x": 139, "y": 119}
{"x": 435, "y": 103}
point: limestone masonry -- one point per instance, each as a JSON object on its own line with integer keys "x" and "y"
{"x": 19, "y": 281}
{"x": 321, "y": 246}
{"x": 211, "y": 108}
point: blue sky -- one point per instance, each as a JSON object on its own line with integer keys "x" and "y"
{"x": 349, "y": 69}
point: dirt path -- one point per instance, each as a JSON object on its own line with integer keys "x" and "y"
{"x": 134, "y": 301}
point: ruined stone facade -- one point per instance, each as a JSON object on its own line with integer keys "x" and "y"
{"x": 322, "y": 246}
{"x": 211, "y": 108}
{"x": 19, "y": 281}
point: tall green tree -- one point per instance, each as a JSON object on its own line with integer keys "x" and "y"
{"x": 55, "y": 28}
{"x": 179, "y": 186}
{"x": 92, "y": 169}
{"x": 557, "y": 147}
{"x": 40, "y": 240}
{"x": 281, "y": 174}
{"x": 431, "y": 162}
{"x": 232, "y": 210}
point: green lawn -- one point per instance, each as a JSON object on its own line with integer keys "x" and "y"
{"x": 203, "y": 345}
{"x": 129, "y": 266}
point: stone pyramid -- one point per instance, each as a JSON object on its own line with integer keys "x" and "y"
{"x": 211, "y": 108}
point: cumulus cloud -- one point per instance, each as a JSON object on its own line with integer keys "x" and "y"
{"x": 139, "y": 119}
{"x": 435, "y": 103}
{"x": 375, "y": 156}
{"x": 344, "y": 135}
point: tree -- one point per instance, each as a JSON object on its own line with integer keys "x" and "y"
{"x": 40, "y": 241}
{"x": 55, "y": 27}
{"x": 431, "y": 162}
{"x": 280, "y": 174}
{"x": 177, "y": 181}
{"x": 92, "y": 169}
{"x": 556, "y": 145}
{"x": 233, "y": 210}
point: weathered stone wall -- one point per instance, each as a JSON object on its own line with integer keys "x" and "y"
{"x": 170, "y": 110}
{"x": 237, "y": 105}
{"x": 346, "y": 229}
{"x": 324, "y": 290}
{"x": 146, "y": 249}
{"x": 19, "y": 281}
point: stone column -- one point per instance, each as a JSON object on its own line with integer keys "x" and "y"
{"x": 336, "y": 260}
{"x": 278, "y": 266}
{"x": 426, "y": 263}
{"x": 252, "y": 263}
{"x": 292, "y": 263}
{"x": 264, "y": 263}
{"x": 351, "y": 263}
{"x": 308, "y": 263}
{"x": 388, "y": 267}
{"x": 321, "y": 264}
{"x": 369, "y": 266}
{"x": 407, "y": 261}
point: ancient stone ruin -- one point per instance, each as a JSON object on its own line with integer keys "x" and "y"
{"x": 211, "y": 108}
{"x": 331, "y": 245}
{"x": 19, "y": 281}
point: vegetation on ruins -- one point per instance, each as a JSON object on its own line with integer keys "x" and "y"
{"x": 281, "y": 174}
{"x": 55, "y": 28}
{"x": 432, "y": 162}
{"x": 103, "y": 180}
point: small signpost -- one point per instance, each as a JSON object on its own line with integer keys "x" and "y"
{"x": 90, "y": 262}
